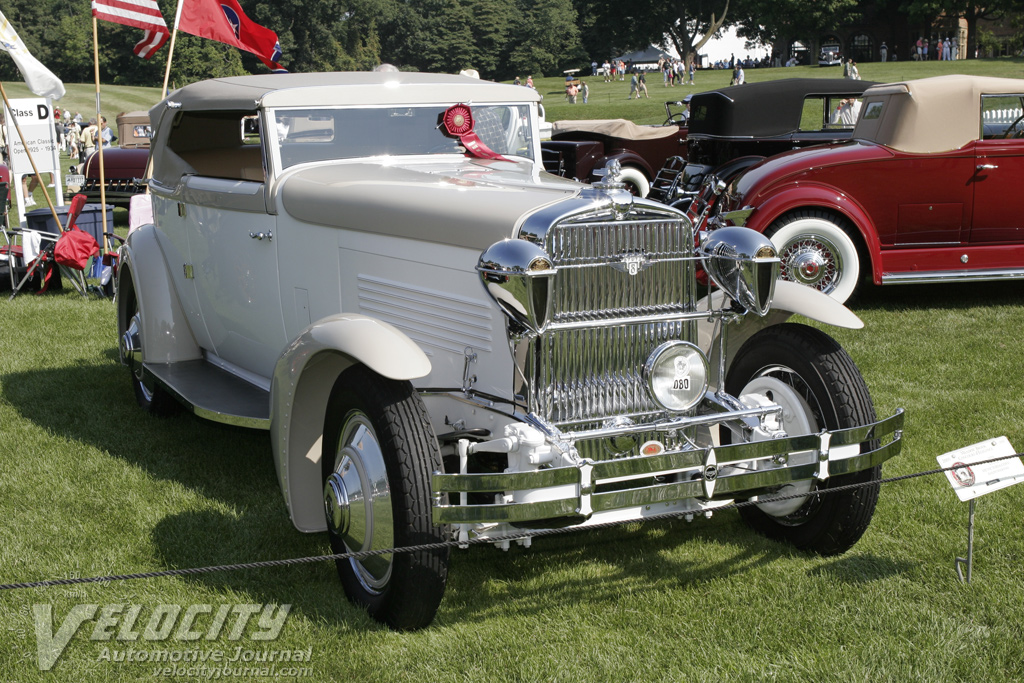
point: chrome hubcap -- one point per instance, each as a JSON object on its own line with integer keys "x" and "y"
{"x": 128, "y": 348}
{"x": 796, "y": 420}
{"x": 812, "y": 261}
{"x": 357, "y": 500}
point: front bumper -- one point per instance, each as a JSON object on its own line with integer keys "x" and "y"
{"x": 720, "y": 472}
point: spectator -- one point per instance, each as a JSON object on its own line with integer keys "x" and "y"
{"x": 529, "y": 82}
{"x": 854, "y": 73}
{"x": 585, "y": 91}
{"x": 642, "y": 86}
{"x": 693, "y": 70}
{"x": 88, "y": 146}
{"x": 846, "y": 113}
{"x": 106, "y": 134}
{"x": 570, "y": 92}
{"x": 634, "y": 85}
{"x": 606, "y": 70}
{"x": 883, "y": 51}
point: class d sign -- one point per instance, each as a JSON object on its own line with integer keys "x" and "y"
{"x": 970, "y": 479}
{"x": 38, "y": 136}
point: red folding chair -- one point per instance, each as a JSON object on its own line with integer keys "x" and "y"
{"x": 70, "y": 252}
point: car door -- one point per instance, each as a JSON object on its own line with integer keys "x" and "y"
{"x": 234, "y": 265}
{"x": 999, "y": 173}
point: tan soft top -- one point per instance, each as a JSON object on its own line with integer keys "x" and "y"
{"x": 929, "y": 114}
{"x": 615, "y": 128}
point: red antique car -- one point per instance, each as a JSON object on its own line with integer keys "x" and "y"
{"x": 922, "y": 193}
{"x": 124, "y": 166}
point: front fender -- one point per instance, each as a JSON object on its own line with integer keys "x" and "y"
{"x": 168, "y": 337}
{"x": 790, "y": 299}
{"x": 781, "y": 201}
{"x": 303, "y": 379}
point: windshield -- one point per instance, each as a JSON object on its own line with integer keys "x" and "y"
{"x": 321, "y": 134}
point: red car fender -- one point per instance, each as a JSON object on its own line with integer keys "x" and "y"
{"x": 814, "y": 196}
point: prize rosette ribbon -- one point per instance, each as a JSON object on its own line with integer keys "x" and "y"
{"x": 458, "y": 123}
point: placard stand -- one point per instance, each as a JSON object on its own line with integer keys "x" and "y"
{"x": 969, "y": 560}
{"x": 974, "y": 471}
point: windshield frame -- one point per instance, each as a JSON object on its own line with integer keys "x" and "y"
{"x": 275, "y": 143}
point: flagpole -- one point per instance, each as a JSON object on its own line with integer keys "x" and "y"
{"x": 99, "y": 131}
{"x": 31, "y": 160}
{"x": 170, "y": 50}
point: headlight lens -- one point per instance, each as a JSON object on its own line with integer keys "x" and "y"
{"x": 744, "y": 264}
{"x": 677, "y": 375}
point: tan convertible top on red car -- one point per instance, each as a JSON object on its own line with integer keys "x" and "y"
{"x": 930, "y": 114}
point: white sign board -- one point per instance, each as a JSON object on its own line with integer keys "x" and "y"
{"x": 970, "y": 479}
{"x": 35, "y": 118}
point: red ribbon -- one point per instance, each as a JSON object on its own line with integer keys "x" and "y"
{"x": 458, "y": 123}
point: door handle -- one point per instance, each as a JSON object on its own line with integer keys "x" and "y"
{"x": 268, "y": 235}
{"x": 985, "y": 167}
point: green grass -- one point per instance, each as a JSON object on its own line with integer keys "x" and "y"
{"x": 608, "y": 100}
{"x": 89, "y": 485}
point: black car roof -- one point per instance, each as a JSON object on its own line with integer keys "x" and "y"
{"x": 763, "y": 109}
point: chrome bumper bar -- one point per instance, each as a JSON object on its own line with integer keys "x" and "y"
{"x": 705, "y": 465}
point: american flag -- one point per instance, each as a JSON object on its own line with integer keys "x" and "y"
{"x": 144, "y": 14}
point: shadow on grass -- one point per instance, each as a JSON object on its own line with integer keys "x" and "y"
{"x": 855, "y": 569}
{"x": 951, "y": 295}
{"x": 94, "y": 405}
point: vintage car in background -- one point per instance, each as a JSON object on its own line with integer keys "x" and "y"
{"x": 124, "y": 165}
{"x": 733, "y": 128}
{"x": 579, "y": 149}
{"x": 448, "y": 344}
{"x": 923, "y": 193}
{"x": 830, "y": 55}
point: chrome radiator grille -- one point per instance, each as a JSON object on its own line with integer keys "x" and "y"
{"x": 581, "y": 376}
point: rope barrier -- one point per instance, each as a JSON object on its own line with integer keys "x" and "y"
{"x": 538, "y": 533}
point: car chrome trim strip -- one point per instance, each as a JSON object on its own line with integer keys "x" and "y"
{"x": 726, "y": 458}
{"x": 951, "y": 276}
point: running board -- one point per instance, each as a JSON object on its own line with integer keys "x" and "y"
{"x": 212, "y": 393}
{"x": 916, "y": 277}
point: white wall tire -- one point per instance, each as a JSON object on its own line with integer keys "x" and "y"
{"x": 817, "y": 252}
{"x": 635, "y": 180}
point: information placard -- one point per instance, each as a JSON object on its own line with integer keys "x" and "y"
{"x": 970, "y": 480}
{"x": 35, "y": 117}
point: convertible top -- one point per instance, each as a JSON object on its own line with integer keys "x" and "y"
{"x": 926, "y": 115}
{"x": 615, "y": 128}
{"x": 220, "y": 103}
{"x": 763, "y": 109}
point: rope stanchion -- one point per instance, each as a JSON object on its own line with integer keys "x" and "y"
{"x": 539, "y": 533}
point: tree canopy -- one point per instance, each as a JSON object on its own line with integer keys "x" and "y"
{"x": 499, "y": 38}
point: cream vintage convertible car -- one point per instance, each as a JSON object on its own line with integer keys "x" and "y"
{"x": 446, "y": 343}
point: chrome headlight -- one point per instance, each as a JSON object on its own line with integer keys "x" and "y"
{"x": 744, "y": 264}
{"x": 519, "y": 277}
{"x": 677, "y": 375}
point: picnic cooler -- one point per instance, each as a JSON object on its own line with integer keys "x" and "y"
{"x": 90, "y": 221}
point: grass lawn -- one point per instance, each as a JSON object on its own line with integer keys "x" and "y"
{"x": 89, "y": 485}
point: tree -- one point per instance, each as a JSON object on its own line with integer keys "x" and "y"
{"x": 686, "y": 25}
{"x": 546, "y": 38}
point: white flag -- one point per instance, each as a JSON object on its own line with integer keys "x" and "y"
{"x": 38, "y": 78}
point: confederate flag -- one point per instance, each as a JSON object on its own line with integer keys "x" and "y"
{"x": 224, "y": 21}
{"x": 144, "y": 14}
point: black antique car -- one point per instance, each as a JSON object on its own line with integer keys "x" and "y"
{"x": 732, "y": 128}
{"x": 578, "y": 149}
